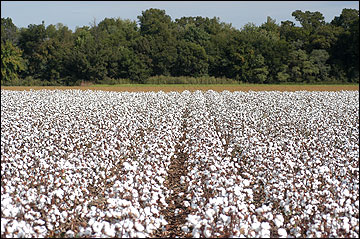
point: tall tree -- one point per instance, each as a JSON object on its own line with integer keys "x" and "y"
{"x": 157, "y": 30}
{"x": 310, "y": 21}
{"x": 9, "y": 32}
{"x": 87, "y": 61}
{"x": 191, "y": 61}
{"x": 319, "y": 60}
{"x": 30, "y": 41}
{"x": 345, "y": 52}
{"x": 11, "y": 63}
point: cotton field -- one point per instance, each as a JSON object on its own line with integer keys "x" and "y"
{"x": 192, "y": 164}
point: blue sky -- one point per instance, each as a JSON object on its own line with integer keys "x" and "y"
{"x": 238, "y": 13}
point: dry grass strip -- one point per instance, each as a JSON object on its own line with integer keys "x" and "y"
{"x": 180, "y": 88}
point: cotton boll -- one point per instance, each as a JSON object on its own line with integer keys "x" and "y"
{"x": 134, "y": 211}
{"x": 150, "y": 228}
{"x": 265, "y": 226}
{"x": 59, "y": 193}
{"x": 139, "y": 227}
{"x": 287, "y": 208}
{"x": 282, "y": 233}
{"x": 213, "y": 168}
{"x": 42, "y": 200}
{"x": 346, "y": 192}
{"x": 141, "y": 235}
{"x": 182, "y": 179}
{"x": 259, "y": 210}
{"x": 147, "y": 211}
{"x": 256, "y": 226}
{"x": 70, "y": 233}
{"x": 279, "y": 220}
{"x": 40, "y": 229}
{"x": 193, "y": 219}
{"x": 127, "y": 166}
{"x": 185, "y": 229}
{"x": 237, "y": 190}
{"x": 87, "y": 231}
{"x": 101, "y": 214}
{"x": 226, "y": 210}
{"x": 196, "y": 233}
{"x": 64, "y": 214}
{"x": 97, "y": 226}
{"x": 264, "y": 233}
{"x": 148, "y": 173}
{"x": 193, "y": 205}
{"x": 246, "y": 182}
{"x": 160, "y": 179}
{"x": 40, "y": 222}
{"x": 109, "y": 229}
{"x": 8, "y": 212}
{"x": 224, "y": 218}
{"x": 128, "y": 224}
{"x": 13, "y": 227}
{"x": 210, "y": 213}
{"x": 91, "y": 221}
{"x": 4, "y": 221}
{"x": 154, "y": 210}
{"x": 346, "y": 225}
{"x": 207, "y": 233}
{"x": 109, "y": 214}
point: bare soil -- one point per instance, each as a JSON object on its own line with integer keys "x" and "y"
{"x": 177, "y": 168}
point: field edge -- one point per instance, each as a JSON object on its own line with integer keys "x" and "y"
{"x": 182, "y": 87}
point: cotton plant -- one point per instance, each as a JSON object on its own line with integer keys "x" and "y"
{"x": 106, "y": 164}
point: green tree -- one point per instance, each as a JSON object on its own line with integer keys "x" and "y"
{"x": 267, "y": 43}
{"x": 345, "y": 52}
{"x": 11, "y": 63}
{"x": 118, "y": 32}
{"x": 271, "y": 26}
{"x": 319, "y": 60}
{"x": 119, "y": 38}
{"x": 30, "y": 41}
{"x": 302, "y": 68}
{"x": 157, "y": 30}
{"x": 115, "y": 48}
{"x": 9, "y": 32}
{"x": 325, "y": 37}
{"x": 191, "y": 61}
{"x": 31, "y": 38}
{"x": 46, "y": 50}
{"x": 194, "y": 34}
{"x": 53, "y": 53}
{"x": 258, "y": 72}
{"x": 222, "y": 48}
{"x": 283, "y": 75}
{"x": 87, "y": 61}
{"x": 347, "y": 19}
{"x": 311, "y": 23}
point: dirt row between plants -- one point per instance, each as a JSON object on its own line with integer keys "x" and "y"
{"x": 176, "y": 212}
{"x": 180, "y": 88}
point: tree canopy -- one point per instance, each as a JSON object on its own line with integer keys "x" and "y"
{"x": 314, "y": 51}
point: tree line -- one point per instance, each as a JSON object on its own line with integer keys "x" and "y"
{"x": 156, "y": 46}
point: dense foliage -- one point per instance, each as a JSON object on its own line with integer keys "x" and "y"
{"x": 117, "y": 49}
